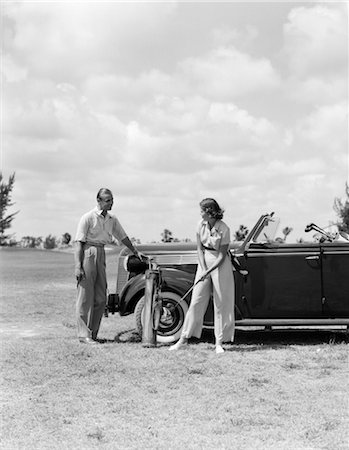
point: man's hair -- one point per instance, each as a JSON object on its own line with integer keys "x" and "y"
{"x": 103, "y": 191}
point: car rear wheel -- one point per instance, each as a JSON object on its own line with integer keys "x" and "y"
{"x": 172, "y": 317}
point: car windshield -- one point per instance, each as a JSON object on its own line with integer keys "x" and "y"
{"x": 267, "y": 230}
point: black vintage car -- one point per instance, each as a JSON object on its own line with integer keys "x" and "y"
{"x": 287, "y": 284}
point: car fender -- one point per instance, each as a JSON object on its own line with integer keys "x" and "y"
{"x": 173, "y": 280}
{"x": 177, "y": 281}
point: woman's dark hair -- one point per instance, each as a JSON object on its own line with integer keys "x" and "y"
{"x": 103, "y": 191}
{"x": 211, "y": 207}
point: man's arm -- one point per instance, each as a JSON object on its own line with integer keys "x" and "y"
{"x": 126, "y": 241}
{"x": 79, "y": 259}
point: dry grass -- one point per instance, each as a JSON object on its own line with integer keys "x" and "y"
{"x": 279, "y": 390}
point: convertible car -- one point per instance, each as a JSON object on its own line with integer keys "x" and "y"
{"x": 297, "y": 284}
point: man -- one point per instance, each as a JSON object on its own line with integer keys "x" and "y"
{"x": 96, "y": 228}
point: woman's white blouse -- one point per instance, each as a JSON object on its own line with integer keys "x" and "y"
{"x": 215, "y": 237}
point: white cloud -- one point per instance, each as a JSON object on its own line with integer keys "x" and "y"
{"x": 298, "y": 168}
{"x": 316, "y": 39}
{"x": 317, "y": 90}
{"x": 72, "y": 40}
{"x": 11, "y": 71}
{"x": 174, "y": 114}
{"x": 226, "y": 36}
{"x": 165, "y": 154}
{"x": 326, "y": 129}
{"x": 226, "y": 74}
{"x": 166, "y": 110}
{"x": 260, "y": 129}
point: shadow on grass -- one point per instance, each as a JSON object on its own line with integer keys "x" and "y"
{"x": 124, "y": 337}
{"x": 274, "y": 338}
{"x": 278, "y": 338}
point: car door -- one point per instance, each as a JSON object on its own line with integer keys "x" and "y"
{"x": 335, "y": 267}
{"x": 284, "y": 281}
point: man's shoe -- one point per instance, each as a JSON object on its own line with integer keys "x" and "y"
{"x": 87, "y": 340}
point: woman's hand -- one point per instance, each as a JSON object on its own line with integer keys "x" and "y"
{"x": 204, "y": 276}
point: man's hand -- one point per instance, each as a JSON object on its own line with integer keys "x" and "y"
{"x": 140, "y": 256}
{"x": 79, "y": 275}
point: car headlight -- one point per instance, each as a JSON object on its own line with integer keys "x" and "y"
{"x": 134, "y": 265}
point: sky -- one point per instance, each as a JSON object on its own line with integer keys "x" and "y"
{"x": 167, "y": 103}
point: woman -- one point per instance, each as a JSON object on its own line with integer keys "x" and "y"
{"x": 214, "y": 275}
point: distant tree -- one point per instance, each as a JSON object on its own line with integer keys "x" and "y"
{"x": 66, "y": 238}
{"x": 166, "y": 236}
{"x": 25, "y": 241}
{"x": 241, "y": 233}
{"x": 38, "y": 241}
{"x": 342, "y": 209}
{"x": 31, "y": 241}
{"x": 135, "y": 241}
{"x": 50, "y": 242}
{"x": 5, "y": 202}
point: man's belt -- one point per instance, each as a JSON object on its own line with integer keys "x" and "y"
{"x": 94, "y": 244}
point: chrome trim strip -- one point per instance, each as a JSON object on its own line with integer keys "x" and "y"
{"x": 255, "y": 254}
{"x": 335, "y": 253}
{"x": 291, "y": 322}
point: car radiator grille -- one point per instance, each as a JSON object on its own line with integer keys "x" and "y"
{"x": 121, "y": 276}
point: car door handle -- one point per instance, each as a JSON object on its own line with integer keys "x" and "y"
{"x": 316, "y": 258}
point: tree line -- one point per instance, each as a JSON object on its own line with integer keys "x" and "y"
{"x": 341, "y": 207}
{"x": 49, "y": 242}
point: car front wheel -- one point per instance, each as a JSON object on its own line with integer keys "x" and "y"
{"x": 172, "y": 317}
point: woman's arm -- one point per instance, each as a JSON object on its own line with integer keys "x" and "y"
{"x": 222, "y": 253}
{"x": 201, "y": 258}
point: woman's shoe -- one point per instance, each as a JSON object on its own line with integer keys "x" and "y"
{"x": 180, "y": 345}
{"x": 87, "y": 340}
{"x": 219, "y": 349}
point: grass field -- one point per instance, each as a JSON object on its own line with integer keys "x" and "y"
{"x": 270, "y": 390}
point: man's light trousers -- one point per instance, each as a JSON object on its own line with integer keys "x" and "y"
{"x": 92, "y": 292}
